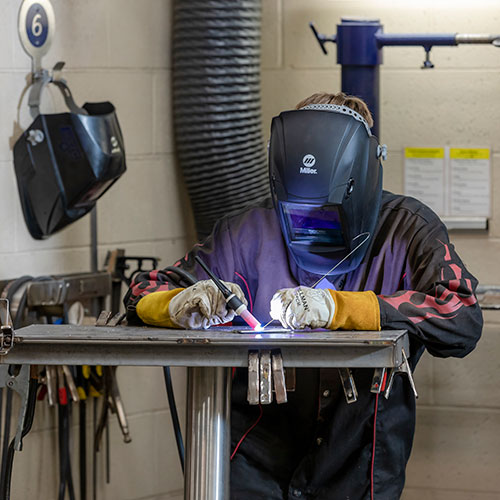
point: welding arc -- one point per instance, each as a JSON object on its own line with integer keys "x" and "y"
{"x": 367, "y": 236}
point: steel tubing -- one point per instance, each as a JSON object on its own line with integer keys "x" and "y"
{"x": 209, "y": 434}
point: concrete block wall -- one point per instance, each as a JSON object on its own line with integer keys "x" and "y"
{"x": 457, "y": 450}
{"x": 116, "y": 50}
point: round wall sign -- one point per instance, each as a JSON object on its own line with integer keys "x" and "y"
{"x": 36, "y": 27}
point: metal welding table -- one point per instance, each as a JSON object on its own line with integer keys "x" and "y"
{"x": 208, "y": 355}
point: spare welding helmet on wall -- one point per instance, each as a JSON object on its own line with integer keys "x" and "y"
{"x": 64, "y": 162}
{"x": 326, "y": 184}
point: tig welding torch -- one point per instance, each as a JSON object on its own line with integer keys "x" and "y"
{"x": 232, "y": 301}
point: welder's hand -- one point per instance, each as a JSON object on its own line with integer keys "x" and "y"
{"x": 202, "y": 305}
{"x": 302, "y": 307}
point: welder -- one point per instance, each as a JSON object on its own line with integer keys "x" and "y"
{"x": 330, "y": 250}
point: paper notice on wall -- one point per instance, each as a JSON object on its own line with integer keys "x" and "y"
{"x": 469, "y": 181}
{"x": 425, "y": 177}
{"x": 452, "y": 181}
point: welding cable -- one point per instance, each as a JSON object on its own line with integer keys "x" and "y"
{"x": 65, "y": 476}
{"x": 94, "y": 451}
{"x": 178, "y": 277}
{"x": 6, "y": 436}
{"x": 28, "y": 422}
{"x": 82, "y": 436}
{"x": 173, "y": 413}
{"x": 183, "y": 276}
{"x": 76, "y": 372}
{"x": 247, "y": 432}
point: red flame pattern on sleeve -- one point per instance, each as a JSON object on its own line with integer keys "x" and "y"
{"x": 449, "y": 296}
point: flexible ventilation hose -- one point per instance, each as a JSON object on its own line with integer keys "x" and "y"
{"x": 217, "y": 110}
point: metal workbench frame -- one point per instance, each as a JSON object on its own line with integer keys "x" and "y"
{"x": 208, "y": 354}
{"x": 128, "y": 345}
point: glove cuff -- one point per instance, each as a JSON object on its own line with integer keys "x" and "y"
{"x": 355, "y": 311}
{"x": 153, "y": 308}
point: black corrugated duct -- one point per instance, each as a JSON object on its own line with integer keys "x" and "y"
{"x": 217, "y": 110}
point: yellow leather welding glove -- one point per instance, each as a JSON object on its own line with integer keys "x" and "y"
{"x": 304, "y": 307}
{"x": 201, "y": 305}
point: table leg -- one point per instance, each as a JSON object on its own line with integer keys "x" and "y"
{"x": 208, "y": 435}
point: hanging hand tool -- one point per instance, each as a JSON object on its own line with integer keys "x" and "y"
{"x": 116, "y": 404}
{"x": 25, "y": 382}
{"x": 65, "y": 475}
{"x": 70, "y": 382}
{"x": 51, "y": 381}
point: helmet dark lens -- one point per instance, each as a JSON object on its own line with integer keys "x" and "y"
{"x": 313, "y": 225}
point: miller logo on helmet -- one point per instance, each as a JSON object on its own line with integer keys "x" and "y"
{"x": 308, "y": 161}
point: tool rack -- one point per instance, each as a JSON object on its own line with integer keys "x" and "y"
{"x": 209, "y": 354}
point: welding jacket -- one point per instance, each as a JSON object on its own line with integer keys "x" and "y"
{"x": 317, "y": 446}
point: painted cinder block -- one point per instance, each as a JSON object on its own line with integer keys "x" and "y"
{"x": 279, "y": 95}
{"x": 12, "y": 122}
{"x": 163, "y": 133}
{"x": 424, "y": 379}
{"x": 155, "y": 211}
{"x": 272, "y": 34}
{"x": 136, "y": 400}
{"x": 8, "y": 29}
{"x": 393, "y": 174}
{"x": 80, "y": 24}
{"x": 9, "y": 200}
{"x": 147, "y": 466}
{"x": 439, "y": 494}
{"x": 474, "y": 380}
{"x": 456, "y": 449}
{"x": 477, "y": 251}
{"x": 437, "y": 108}
{"x": 138, "y": 37}
{"x": 46, "y": 262}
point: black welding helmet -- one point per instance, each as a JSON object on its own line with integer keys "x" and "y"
{"x": 326, "y": 183}
{"x": 64, "y": 162}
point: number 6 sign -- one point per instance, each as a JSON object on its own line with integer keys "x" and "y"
{"x": 36, "y": 28}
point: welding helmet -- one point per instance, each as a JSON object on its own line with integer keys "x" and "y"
{"x": 326, "y": 184}
{"x": 64, "y": 162}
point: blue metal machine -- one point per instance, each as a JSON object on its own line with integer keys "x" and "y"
{"x": 359, "y": 51}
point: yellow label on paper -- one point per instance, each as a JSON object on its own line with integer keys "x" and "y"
{"x": 469, "y": 154}
{"x": 424, "y": 152}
